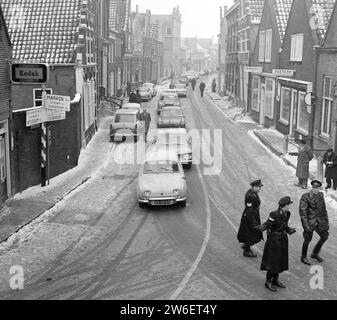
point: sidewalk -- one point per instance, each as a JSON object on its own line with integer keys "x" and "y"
{"x": 271, "y": 138}
{"x": 25, "y": 207}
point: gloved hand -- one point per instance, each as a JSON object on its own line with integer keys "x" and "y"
{"x": 292, "y": 231}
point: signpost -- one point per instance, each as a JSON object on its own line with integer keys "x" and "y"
{"x": 54, "y": 107}
{"x": 283, "y": 72}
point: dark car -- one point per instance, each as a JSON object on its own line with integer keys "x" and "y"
{"x": 171, "y": 117}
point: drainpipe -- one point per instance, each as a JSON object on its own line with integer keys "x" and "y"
{"x": 313, "y": 107}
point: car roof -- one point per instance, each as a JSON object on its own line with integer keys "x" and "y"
{"x": 126, "y": 111}
{"x": 162, "y": 155}
{"x": 147, "y": 83}
{"x": 131, "y": 105}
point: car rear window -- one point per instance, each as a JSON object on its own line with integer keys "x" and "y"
{"x": 180, "y": 86}
{"x": 152, "y": 167}
{"x": 125, "y": 118}
{"x": 171, "y": 113}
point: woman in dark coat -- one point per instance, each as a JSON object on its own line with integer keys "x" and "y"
{"x": 275, "y": 258}
{"x": 330, "y": 160}
{"x": 305, "y": 155}
{"x": 249, "y": 231}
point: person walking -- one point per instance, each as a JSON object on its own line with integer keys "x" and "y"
{"x": 202, "y": 88}
{"x": 275, "y": 258}
{"x": 305, "y": 155}
{"x": 193, "y": 83}
{"x": 249, "y": 231}
{"x": 133, "y": 97}
{"x": 146, "y": 117}
{"x": 214, "y": 85}
{"x": 330, "y": 160}
{"x": 138, "y": 97}
{"x": 128, "y": 89}
{"x": 314, "y": 217}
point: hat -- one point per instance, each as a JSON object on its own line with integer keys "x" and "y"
{"x": 257, "y": 183}
{"x": 285, "y": 201}
{"x": 313, "y": 182}
{"x": 330, "y": 150}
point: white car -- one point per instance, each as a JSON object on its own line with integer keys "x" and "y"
{"x": 161, "y": 180}
{"x": 181, "y": 90}
{"x": 133, "y": 106}
{"x": 125, "y": 125}
{"x": 152, "y": 87}
{"x": 176, "y": 140}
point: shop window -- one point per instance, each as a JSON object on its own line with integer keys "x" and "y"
{"x": 296, "y": 53}
{"x": 256, "y": 94}
{"x": 269, "y": 105}
{"x": 37, "y": 96}
{"x": 303, "y": 117}
{"x": 285, "y": 105}
{"x": 327, "y": 107}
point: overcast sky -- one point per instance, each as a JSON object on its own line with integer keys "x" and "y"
{"x": 200, "y": 17}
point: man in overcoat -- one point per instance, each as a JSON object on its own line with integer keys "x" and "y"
{"x": 249, "y": 231}
{"x": 275, "y": 258}
{"x": 193, "y": 83}
{"x": 330, "y": 160}
{"x": 305, "y": 155}
{"x": 202, "y": 88}
{"x": 314, "y": 217}
{"x": 146, "y": 117}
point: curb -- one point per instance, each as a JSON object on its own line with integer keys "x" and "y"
{"x": 51, "y": 206}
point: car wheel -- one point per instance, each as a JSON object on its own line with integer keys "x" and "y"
{"x": 142, "y": 205}
{"x": 183, "y": 204}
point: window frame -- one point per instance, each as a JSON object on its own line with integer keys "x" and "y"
{"x": 259, "y": 96}
{"x": 296, "y": 51}
{"x": 271, "y": 115}
{"x": 330, "y": 106}
{"x": 298, "y": 128}
{"x": 262, "y": 43}
{"x": 282, "y": 120}
{"x": 48, "y": 90}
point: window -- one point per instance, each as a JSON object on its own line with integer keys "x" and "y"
{"x": 256, "y": 94}
{"x": 111, "y": 53}
{"x": 169, "y": 31}
{"x": 327, "y": 107}
{"x": 269, "y": 105}
{"x": 303, "y": 114}
{"x": 37, "y": 96}
{"x": 3, "y": 172}
{"x": 296, "y": 53}
{"x": 265, "y": 43}
{"x": 285, "y": 105}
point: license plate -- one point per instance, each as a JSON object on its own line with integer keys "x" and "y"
{"x": 162, "y": 203}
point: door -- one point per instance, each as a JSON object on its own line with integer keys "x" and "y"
{"x": 293, "y": 112}
{"x": 262, "y": 103}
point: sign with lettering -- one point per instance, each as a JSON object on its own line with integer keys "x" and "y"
{"x": 34, "y": 117}
{"x": 54, "y": 115}
{"x": 60, "y": 103}
{"x": 283, "y": 72}
{"x": 29, "y": 73}
{"x": 254, "y": 69}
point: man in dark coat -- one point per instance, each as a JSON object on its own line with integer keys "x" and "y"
{"x": 146, "y": 117}
{"x": 249, "y": 231}
{"x": 305, "y": 155}
{"x": 202, "y": 88}
{"x": 214, "y": 85}
{"x": 138, "y": 97}
{"x": 330, "y": 160}
{"x": 276, "y": 253}
{"x": 314, "y": 217}
{"x": 193, "y": 83}
{"x": 133, "y": 97}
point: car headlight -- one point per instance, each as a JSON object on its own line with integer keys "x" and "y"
{"x": 185, "y": 157}
{"x": 176, "y": 192}
{"x": 147, "y": 193}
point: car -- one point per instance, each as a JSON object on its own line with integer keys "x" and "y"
{"x": 125, "y": 125}
{"x": 161, "y": 180}
{"x": 171, "y": 117}
{"x": 133, "y": 106}
{"x": 168, "y": 99}
{"x": 145, "y": 94}
{"x": 183, "y": 80}
{"x": 176, "y": 140}
{"x": 152, "y": 87}
{"x": 181, "y": 90}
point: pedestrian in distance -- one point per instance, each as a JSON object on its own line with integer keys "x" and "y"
{"x": 202, "y": 88}
{"x": 314, "y": 217}
{"x": 305, "y": 155}
{"x": 214, "y": 85}
{"x": 146, "y": 117}
{"x": 330, "y": 160}
{"x": 250, "y": 227}
{"x": 124, "y": 87}
{"x": 275, "y": 258}
{"x": 193, "y": 83}
{"x": 128, "y": 89}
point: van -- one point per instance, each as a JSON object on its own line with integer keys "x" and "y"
{"x": 125, "y": 125}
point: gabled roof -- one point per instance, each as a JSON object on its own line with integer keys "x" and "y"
{"x": 2, "y": 18}
{"x": 282, "y": 11}
{"x": 255, "y": 8}
{"x": 119, "y": 11}
{"x": 322, "y": 10}
{"x": 43, "y": 30}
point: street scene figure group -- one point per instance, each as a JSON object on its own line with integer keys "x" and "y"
{"x": 275, "y": 258}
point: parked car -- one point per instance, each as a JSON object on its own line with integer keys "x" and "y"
{"x": 161, "y": 180}
{"x": 125, "y": 125}
{"x": 181, "y": 90}
{"x": 168, "y": 99}
{"x": 171, "y": 117}
{"x": 133, "y": 106}
{"x": 183, "y": 80}
{"x": 152, "y": 87}
{"x": 145, "y": 94}
{"x": 176, "y": 140}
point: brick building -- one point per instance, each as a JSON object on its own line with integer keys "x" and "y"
{"x": 266, "y": 59}
{"x": 305, "y": 34}
{"x": 62, "y": 35}
{"x": 5, "y": 111}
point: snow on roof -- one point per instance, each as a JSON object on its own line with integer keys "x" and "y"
{"x": 119, "y": 10}
{"x": 282, "y": 11}
{"x": 43, "y": 30}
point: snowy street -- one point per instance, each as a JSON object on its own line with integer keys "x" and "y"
{"x": 98, "y": 244}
